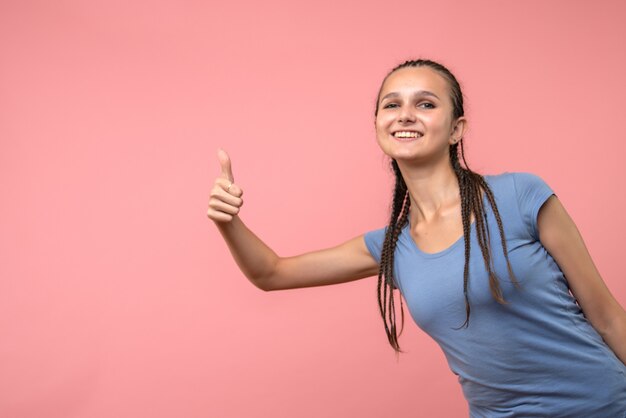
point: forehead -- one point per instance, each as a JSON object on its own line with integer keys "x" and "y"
{"x": 415, "y": 78}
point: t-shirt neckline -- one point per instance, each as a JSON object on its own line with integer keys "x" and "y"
{"x": 407, "y": 231}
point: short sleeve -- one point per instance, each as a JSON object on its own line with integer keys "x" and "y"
{"x": 374, "y": 242}
{"x": 532, "y": 192}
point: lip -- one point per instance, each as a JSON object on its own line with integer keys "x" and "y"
{"x": 409, "y": 139}
{"x": 406, "y": 130}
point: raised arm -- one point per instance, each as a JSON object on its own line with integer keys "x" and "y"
{"x": 262, "y": 266}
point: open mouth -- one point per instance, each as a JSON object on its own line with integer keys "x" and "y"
{"x": 407, "y": 135}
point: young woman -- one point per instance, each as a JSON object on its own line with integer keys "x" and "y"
{"x": 491, "y": 267}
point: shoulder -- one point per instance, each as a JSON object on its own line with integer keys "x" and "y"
{"x": 501, "y": 184}
{"x": 530, "y": 186}
{"x": 524, "y": 186}
{"x": 518, "y": 181}
{"x": 374, "y": 241}
{"x": 529, "y": 191}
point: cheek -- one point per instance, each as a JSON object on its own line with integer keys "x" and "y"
{"x": 443, "y": 123}
{"x": 381, "y": 132}
{"x": 436, "y": 125}
{"x": 381, "y": 123}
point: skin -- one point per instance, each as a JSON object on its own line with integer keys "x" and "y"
{"x": 560, "y": 236}
{"x": 435, "y": 216}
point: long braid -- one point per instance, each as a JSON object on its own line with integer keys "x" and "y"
{"x": 478, "y": 184}
{"x": 482, "y": 228}
{"x": 466, "y": 211}
{"x": 472, "y": 187}
{"x": 492, "y": 202}
{"x": 399, "y": 216}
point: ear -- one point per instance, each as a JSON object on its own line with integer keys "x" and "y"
{"x": 458, "y": 130}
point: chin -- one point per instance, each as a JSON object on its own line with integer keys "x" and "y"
{"x": 400, "y": 154}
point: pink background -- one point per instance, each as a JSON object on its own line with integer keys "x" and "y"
{"x": 118, "y": 297}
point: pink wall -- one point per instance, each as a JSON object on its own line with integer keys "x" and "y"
{"x": 118, "y": 297}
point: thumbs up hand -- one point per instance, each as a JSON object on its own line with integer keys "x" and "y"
{"x": 225, "y": 198}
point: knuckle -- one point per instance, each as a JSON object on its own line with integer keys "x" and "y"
{"x": 219, "y": 195}
{"x": 221, "y": 184}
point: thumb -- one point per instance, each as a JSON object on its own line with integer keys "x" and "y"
{"x": 226, "y": 172}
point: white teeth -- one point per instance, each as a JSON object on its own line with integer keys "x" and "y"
{"x": 406, "y": 134}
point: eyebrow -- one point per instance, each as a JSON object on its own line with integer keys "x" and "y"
{"x": 417, "y": 93}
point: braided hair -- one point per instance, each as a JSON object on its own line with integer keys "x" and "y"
{"x": 471, "y": 186}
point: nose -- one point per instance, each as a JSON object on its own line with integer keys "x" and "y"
{"x": 406, "y": 115}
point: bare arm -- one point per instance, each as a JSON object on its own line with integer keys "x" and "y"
{"x": 561, "y": 238}
{"x": 262, "y": 266}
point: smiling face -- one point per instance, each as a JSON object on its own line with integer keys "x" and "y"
{"x": 415, "y": 116}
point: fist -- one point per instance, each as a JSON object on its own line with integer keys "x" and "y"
{"x": 225, "y": 199}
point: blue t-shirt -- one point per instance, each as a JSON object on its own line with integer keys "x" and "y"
{"x": 536, "y": 356}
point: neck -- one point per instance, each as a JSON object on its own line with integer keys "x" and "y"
{"x": 433, "y": 190}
